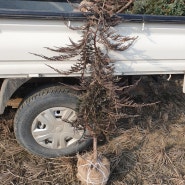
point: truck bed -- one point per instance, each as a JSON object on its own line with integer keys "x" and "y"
{"x": 159, "y": 48}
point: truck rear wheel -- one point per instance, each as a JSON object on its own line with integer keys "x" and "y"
{"x": 44, "y": 124}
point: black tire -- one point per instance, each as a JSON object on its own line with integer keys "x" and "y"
{"x": 33, "y": 106}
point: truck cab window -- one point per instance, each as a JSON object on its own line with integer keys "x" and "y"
{"x": 54, "y": 6}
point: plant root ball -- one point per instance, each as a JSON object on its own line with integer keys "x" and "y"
{"x": 93, "y": 173}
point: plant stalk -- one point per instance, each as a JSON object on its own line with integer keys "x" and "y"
{"x": 95, "y": 151}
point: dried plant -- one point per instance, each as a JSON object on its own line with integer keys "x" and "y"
{"x": 102, "y": 99}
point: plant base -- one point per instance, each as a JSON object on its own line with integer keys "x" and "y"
{"x": 93, "y": 173}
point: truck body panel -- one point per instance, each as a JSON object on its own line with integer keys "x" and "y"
{"x": 158, "y": 49}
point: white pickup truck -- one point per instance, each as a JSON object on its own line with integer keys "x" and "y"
{"x": 46, "y": 109}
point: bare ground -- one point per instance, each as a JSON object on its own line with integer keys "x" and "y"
{"x": 147, "y": 150}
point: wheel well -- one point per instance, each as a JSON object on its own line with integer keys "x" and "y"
{"x": 16, "y": 90}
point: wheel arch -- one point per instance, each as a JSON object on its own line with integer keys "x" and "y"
{"x": 14, "y": 87}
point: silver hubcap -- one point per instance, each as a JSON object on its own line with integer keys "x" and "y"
{"x": 52, "y": 128}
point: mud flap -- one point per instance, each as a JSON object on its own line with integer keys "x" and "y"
{"x": 8, "y": 87}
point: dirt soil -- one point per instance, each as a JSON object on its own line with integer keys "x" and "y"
{"x": 147, "y": 150}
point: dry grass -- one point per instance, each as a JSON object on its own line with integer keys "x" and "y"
{"x": 148, "y": 150}
{"x": 19, "y": 167}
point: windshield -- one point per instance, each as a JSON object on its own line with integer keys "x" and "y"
{"x": 55, "y": 6}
